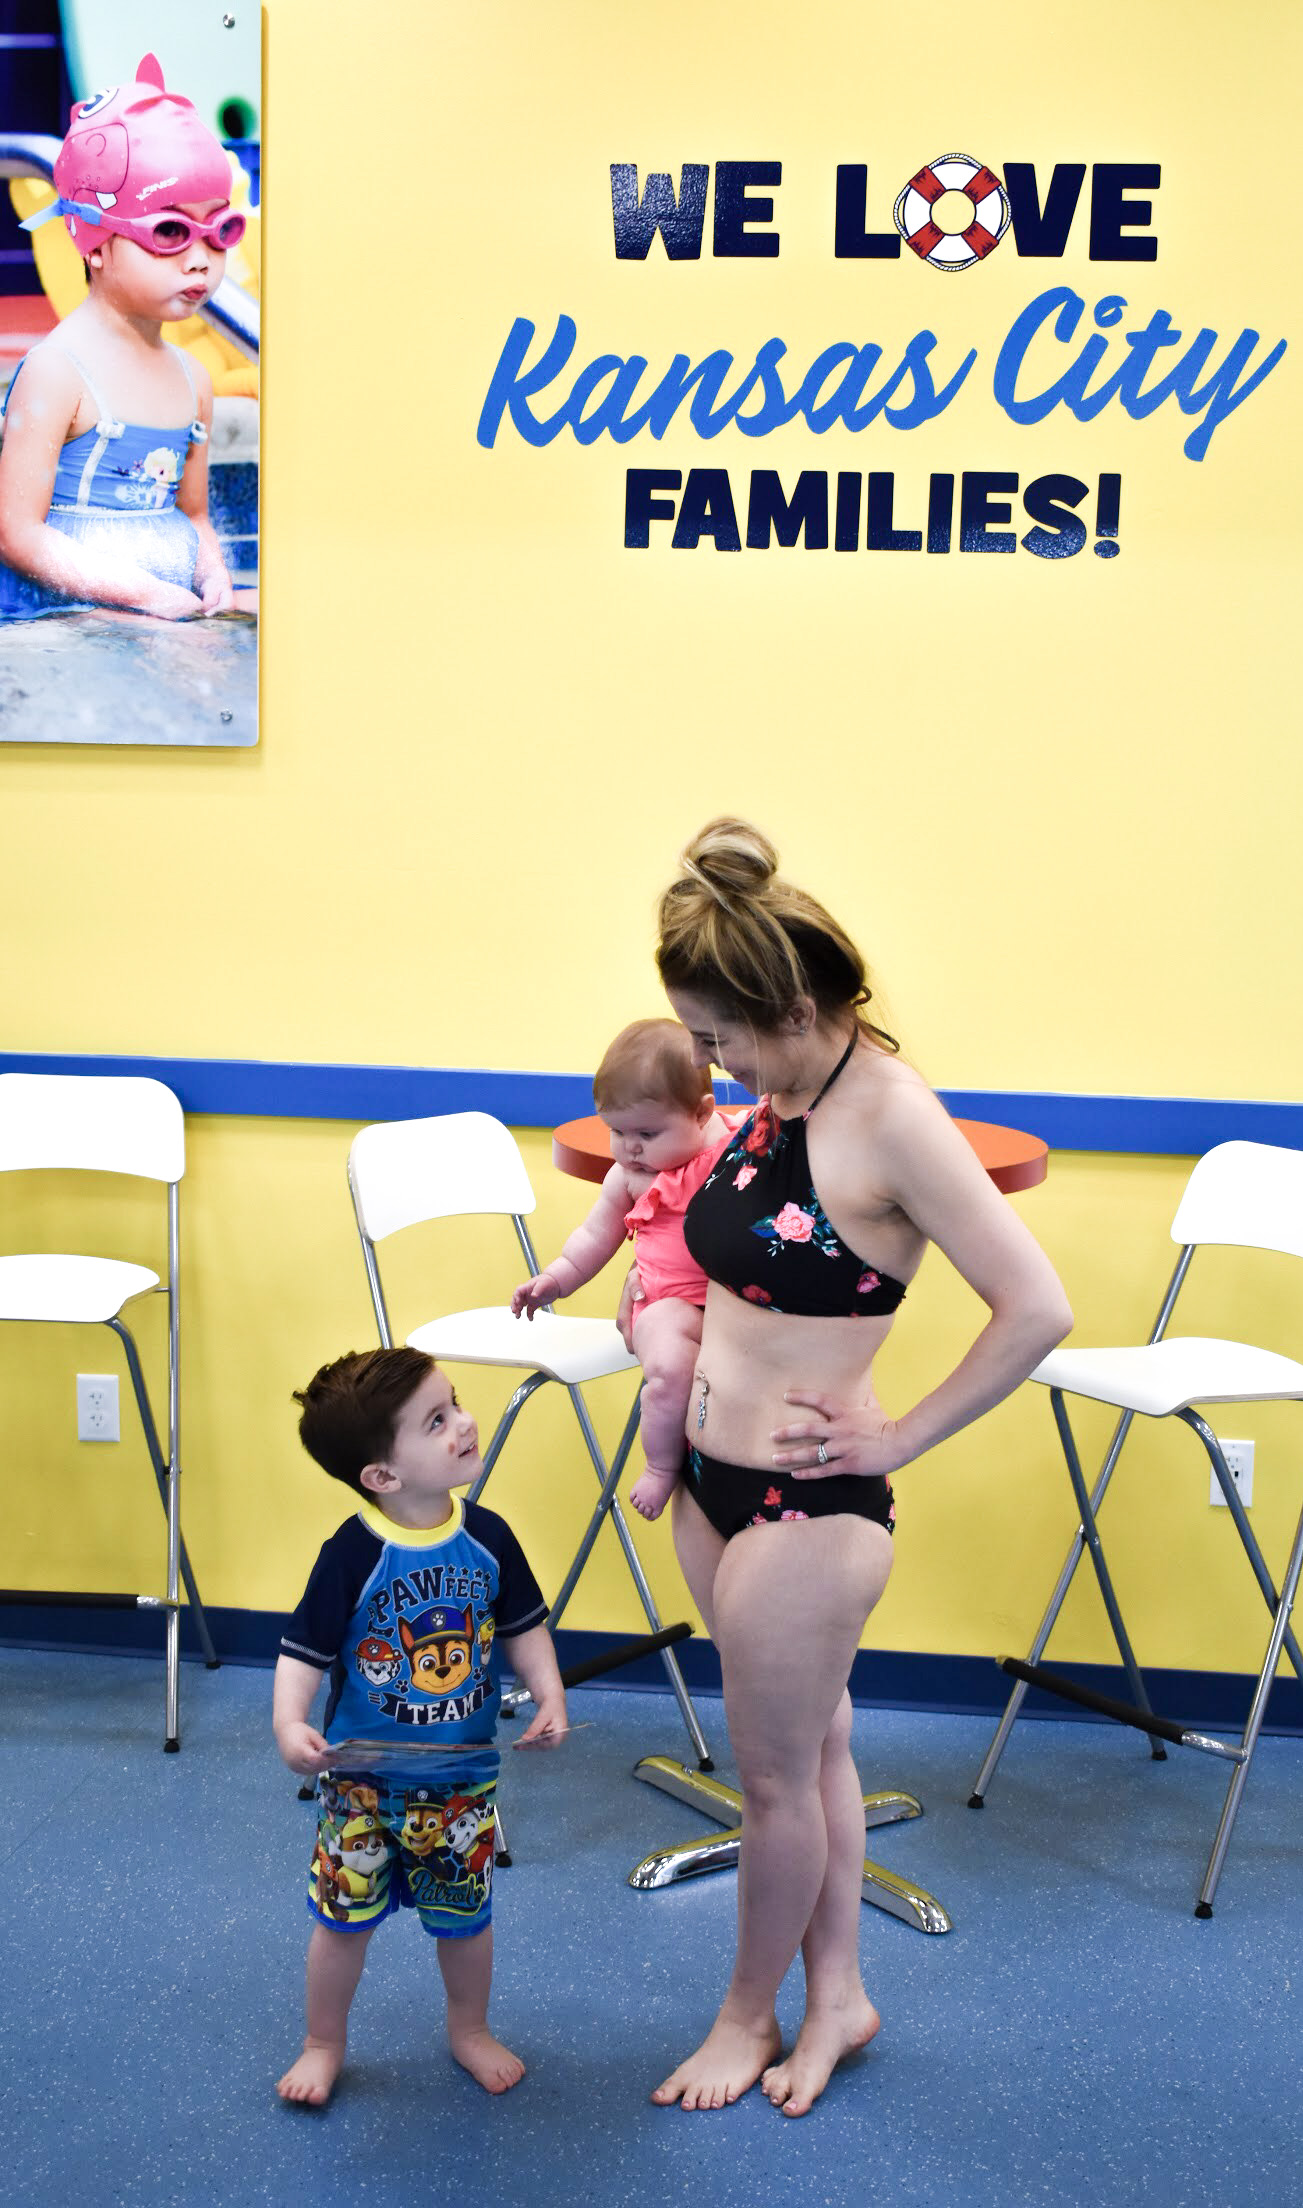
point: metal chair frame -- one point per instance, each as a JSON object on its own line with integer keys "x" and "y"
{"x": 1164, "y": 1379}
{"x": 498, "y": 1183}
{"x": 71, "y": 1121}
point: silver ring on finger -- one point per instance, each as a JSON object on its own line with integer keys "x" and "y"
{"x": 821, "y": 1453}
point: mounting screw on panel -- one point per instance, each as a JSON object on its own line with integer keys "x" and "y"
{"x": 1239, "y": 1461}
{"x": 97, "y": 1407}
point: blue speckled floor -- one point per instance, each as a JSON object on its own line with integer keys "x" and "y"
{"x": 1079, "y": 2037}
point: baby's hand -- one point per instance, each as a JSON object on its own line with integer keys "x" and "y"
{"x": 216, "y": 592}
{"x": 166, "y": 600}
{"x": 528, "y": 1297}
{"x": 631, "y": 1295}
{"x": 303, "y": 1748}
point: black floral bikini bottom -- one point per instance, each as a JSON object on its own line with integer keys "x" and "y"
{"x": 734, "y": 1496}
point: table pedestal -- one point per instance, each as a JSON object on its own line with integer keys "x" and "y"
{"x": 719, "y": 1852}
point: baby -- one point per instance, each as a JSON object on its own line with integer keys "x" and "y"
{"x": 665, "y": 1136}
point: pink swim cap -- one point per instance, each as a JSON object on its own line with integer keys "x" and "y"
{"x": 133, "y": 149}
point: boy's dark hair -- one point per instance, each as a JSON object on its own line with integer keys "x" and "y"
{"x": 351, "y": 1407}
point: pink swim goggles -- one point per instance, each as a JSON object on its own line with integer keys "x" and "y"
{"x": 164, "y": 232}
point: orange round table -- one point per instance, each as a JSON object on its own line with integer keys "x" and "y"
{"x": 582, "y": 1148}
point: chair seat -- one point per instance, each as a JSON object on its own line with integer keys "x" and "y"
{"x": 1161, "y": 1377}
{"x": 569, "y": 1350}
{"x": 81, "y": 1290}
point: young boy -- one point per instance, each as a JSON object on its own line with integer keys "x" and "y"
{"x": 402, "y": 1609}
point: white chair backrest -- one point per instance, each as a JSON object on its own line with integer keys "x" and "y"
{"x": 405, "y": 1170}
{"x": 103, "y": 1123}
{"x": 1249, "y": 1194}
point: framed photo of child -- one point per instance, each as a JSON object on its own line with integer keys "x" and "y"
{"x": 130, "y": 220}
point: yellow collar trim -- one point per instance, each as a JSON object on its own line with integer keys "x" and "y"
{"x": 413, "y": 1537}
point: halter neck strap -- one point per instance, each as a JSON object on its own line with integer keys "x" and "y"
{"x": 842, "y": 1062}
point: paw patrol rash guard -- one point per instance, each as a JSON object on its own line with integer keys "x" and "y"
{"x": 404, "y": 1621}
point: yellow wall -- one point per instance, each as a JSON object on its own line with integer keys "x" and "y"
{"x": 1057, "y": 801}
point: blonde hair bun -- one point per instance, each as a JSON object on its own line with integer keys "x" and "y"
{"x": 733, "y": 931}
{"x": 731, "y": 859}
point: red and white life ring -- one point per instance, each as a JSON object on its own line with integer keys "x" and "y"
{"x": 956, "y": 249}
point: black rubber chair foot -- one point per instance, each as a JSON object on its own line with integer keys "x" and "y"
{"x": 1158, "y": 1755}
{"x": 172, "y": 1747}
{"x": 1203, "y": 1909}
{"x": 977, "y": 1801}
{"x": 706, "y": 1763}
{"x": 213, "y": 1663}
{"x": 307, "y": 1793}
{"x": 503, "y": 1861}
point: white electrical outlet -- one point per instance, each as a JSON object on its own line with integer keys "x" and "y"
{"x": 97, "y": 1407}
{"x": 1239, "y": 1460}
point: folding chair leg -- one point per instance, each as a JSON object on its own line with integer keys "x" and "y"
{"x": 172, "y": 1504}
{"x": 508, "y": 1419}
{"x": 1090, "y": 1532}
{"x": 601, "y": 1512}
{"x": 639, "y": 1578}
{"x": 1060, "y": 1595}
{"x": 1242, "y": 1526}
{"x": 607, "y": 1507}
{"x": 1249, "y": 1740}
{"x": 172, "y": 1731}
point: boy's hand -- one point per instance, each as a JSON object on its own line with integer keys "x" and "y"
{"x": 303, "y": 1749}
{"x": 549, "y": 1727}
{"x": 541, "y": 1289}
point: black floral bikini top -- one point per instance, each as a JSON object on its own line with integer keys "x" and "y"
{"x": 757, "y": 1228}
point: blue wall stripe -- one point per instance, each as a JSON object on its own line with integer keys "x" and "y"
{"x": 1157, "y": 1126}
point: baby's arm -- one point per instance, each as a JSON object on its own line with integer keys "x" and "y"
{"x": 41, "y": 412}
{"x": 591, "y": 1246}
{"x": 212, "y": 576}
{"x": 302, "y": 1747}
{"x": 533, "y": 1659}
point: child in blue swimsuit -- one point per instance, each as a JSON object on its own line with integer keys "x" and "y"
{"x": 104, "y": 465}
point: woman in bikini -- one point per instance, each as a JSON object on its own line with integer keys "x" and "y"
{"x": 810, "y": 1228}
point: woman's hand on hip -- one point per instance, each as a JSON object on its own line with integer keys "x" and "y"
{"x": 838, "y": 1437}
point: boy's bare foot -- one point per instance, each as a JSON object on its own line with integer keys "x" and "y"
{"x": 490, "y": 2063}
{"x": 310, "y": 2081}
{"x": 652, "y": 1490}
{"x": 824, "y": 2039}
{"x": 724, "y": 2067}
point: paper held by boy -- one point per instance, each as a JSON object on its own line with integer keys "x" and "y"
{"x": 360, "y": 1755}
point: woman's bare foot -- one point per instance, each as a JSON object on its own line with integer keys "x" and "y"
{"x": 490, "y": 2063}
{"x": 824, "y": 2039}
{"x": 310, "y": 2081}
{"x": 652, "y": 1490}
{"x": 724, "y": 2067}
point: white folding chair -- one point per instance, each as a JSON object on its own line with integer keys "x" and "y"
{"x": 107, "y": 1124}
{"x": 406, "y": 1172}
{"x": 1247, "y": 1195}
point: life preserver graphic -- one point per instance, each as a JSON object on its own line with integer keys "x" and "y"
{"x": 952, "y": 250}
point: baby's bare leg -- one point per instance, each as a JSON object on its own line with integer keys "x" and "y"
{"x": 667, "y": 1337}
{"x": 335, "y": 1962}
{"x": 467, "y": 1967}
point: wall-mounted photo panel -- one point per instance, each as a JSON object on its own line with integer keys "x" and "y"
{"x": 130, "y": 222}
